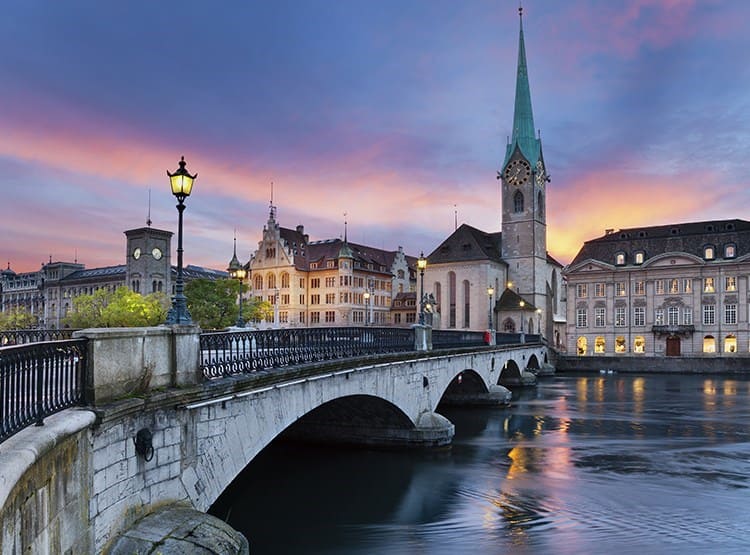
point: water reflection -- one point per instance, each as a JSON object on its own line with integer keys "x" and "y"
{"x": 580, "y": 464}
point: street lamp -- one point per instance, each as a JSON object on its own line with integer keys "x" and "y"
{"x": 276, "y": 308}
{"x": 522, "y": 304}
{"x": 539, "y": 320}
{"x": 367, "y": 307}
{"x": 238, "y": 272}
{"x": 182, "y": 185}
{"x": 421, "y": 264}
{"x": 490, "y": 292}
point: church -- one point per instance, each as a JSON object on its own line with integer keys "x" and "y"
{"x": 505, "y": 280}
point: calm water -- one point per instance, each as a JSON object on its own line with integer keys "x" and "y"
{"x": 597, "y": 464}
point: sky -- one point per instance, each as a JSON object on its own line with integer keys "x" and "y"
{"x": 391, "y": 115}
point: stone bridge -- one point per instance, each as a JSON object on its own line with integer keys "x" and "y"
{"x": 77, "y": 482}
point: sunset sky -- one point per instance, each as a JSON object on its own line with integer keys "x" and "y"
{"x": 391, "y": 111}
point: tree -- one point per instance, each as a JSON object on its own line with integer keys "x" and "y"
{"x": 212, "y": 303}
{"x": 17, "y": 318}
{"x": 121, "y": 308}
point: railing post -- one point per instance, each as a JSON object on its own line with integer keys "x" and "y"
{"x": 38, "y": 403}
{"x": 422, "y": 337}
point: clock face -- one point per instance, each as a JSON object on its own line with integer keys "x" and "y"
{"x": 156, "y": 253}
{"x": 137, "y": 253}
{"x": 517, "y": 172}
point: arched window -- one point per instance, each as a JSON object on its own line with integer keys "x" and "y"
{"x": 581, "y": 346}
{"x": 518, "y": 202}
{"x": 258, "y": 283}
{"x": 639, "y": 344}
{"x": 509, "y": 326}
{"x": 540, "y": 204}
{"x": 437, "y": 288}
{"x": 621, "y": 345}
{"x": 599, "y": 344}
{"x": 466, "y": 303}
{"x": 452, "y": 299}
{"x": 730, "y": 344}
{"x": 284, "y": 280}
{"x": 709, "y": 344}
{"x": 400, "y": 274}
{"x": 271, "y": 280}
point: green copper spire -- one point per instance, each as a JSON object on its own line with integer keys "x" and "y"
{"x": 523, "y": 118}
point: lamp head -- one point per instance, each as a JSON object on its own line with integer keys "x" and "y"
{"x": 181, "y": 181}
{"x": 421, "y": 262}
{"x": 490, "y": 291}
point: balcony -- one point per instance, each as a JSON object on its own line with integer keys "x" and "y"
{"x": 673, "y": 330}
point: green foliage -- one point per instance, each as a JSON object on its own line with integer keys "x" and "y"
{"x": 214, "y": 304}
{"x": 256, "y": 309}
{"x": 123, "y": 308}
{"x": 17, "y": 318}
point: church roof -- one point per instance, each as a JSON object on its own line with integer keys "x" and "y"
{"x": 467, "y": 243}
{"x": 523, "y": 137}
{"x": 690, "y": 238}
{"x": 510, "y": 300}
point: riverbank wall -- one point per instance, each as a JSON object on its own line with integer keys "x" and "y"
{"x": 646, "y": 365}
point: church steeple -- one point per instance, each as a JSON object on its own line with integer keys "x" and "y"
{"x": 523, "y": 136}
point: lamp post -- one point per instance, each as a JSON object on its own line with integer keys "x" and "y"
{"x": 238, "y": 272}
{"x": 490, "y": 292}
{"x": 539, "y": 321}
{"x": 275, "y": 308}
{"x": 367, "y": 308}
{"x": 182, "y": 185}
{"x": 421, "y": 264}
{"x": 522, "y": 304}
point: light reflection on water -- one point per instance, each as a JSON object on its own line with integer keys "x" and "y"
{"x": 593, "y": 464}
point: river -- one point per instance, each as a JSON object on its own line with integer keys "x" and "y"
{"x": 613, "y": 464}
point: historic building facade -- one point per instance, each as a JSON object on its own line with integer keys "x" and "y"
{"x": 526, "y": 283}
{"x": 328, "y": 283}
{"x": 671, "y": 290}
{"x": 49, "y": 292}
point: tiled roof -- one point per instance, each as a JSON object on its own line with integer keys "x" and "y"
{"x": 689, "y": 237}
{"x": 510, "y": 300}
{"x": 92, "y": 273}
{"x": 467, "y": 243}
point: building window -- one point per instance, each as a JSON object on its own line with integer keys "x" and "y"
{"x": 708, "y": 285}
{"x": 467, "y": 311}
{"x": 581, "y": 346}
{"x": 730, "y": 344}
{"x": 331, "y": 281}
{"x": 730, "y": 251}
{"x": 599, "y": 345}
{"x": 659, "y": 317}
{"x": 639, "y": 256}
{"x": 452, "y": 299}
{"x": 659, "y": 287}
{"x": 599, "y": 317}
{"x": 582, "y": 290}
{"x": 730, "y": 314}
{"x": 315, "y": 317}
{"x": 639, "y": 344}
{"x": 673, "y": 316}
{"x": 708, "y": 252}
{"x": 709, "y": 315}
{"x": 620, "y": 259}
{"x": 302, "y": 283}
{"x": 284, "y": 317}
{"x": 330, "y": 298}
{"x": 639, "y": 287}
{"x": 620, "y": 289}
{"x": 315, "y": 283}
{"x": 397, "y": 318}
{"x": 314, "y": 299}
{"x": 518, "y": 202}
{"x": 581, "y": 318}
{"x": 301, "y": 317}
{"x": 674, "y": 286}
{"x": 687, "y": 285}
{"x": 687, "y": 316}
{"x": 639, "y": 316}
{"x": 620, "y": 316}
{"x": 330, "y": 316}
{"x": 709, "y": 344}
{"x": 284, "y": 280}
{"x": 271, "y": 281}
{"x": 600, "y": 290}
{"x": 620, "y": 345}
{"x": 730, "y": 283}
{"x": 285, "y": 298}
{"x": 301, "y": 299}
{"x": 411, "y": 317}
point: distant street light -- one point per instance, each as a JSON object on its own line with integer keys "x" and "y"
{"x": 237, "y": 272}
{"x": 522, "y": 304}
{"x": 421, "y": 264}
{"x": 539, "y": 321}
{"x": 490, "y": 292}
{"x": 367, "y": 308}
{"x": 182, "y": 185}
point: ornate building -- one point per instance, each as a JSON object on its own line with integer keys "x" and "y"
{"x": 327, "y": 283}
{"x": 48, "y": 293}
{"x": 526, "y": 283}
{"x": 671, "y": 290}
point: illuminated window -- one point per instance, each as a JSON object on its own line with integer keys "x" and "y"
{"x": 709, "y": 344}
{"x": 599, "y": 317}
{"x": 620, "y": 316}
{"x": 708, "y": 252}
{"x": 659, "y": 286}
{"x": 639, "y": 287}
{"x": 599, "y": 345}
{"x": 620, "y": 345}
{"x": 600, "y": 289}
{"x": 581, "y": 346}
{"x": 620, "y": 259}
{"x": 730, "y": 344}
{"x": 730, "y": 283}
{"x": 620, "y": 289}
{"x": 639, "y": 344}
{"x": 687, "y": 285}
{"x": 674, "y": 286}
{"x": 709, "y": 315}
{"x": 639, "y": 316}
{"x": 708, "y": 285}
{"x": 639, "y": 257}
{"x": 582, "y": 290}
{"x": 730, "y": 251}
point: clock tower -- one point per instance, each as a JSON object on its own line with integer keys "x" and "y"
{"x": 148, "y": 261}
{"x": 524, "y": 189}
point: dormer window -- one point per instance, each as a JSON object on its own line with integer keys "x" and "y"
{"x": 730, "y": 250}
{"x": 639, "y": 257}
{"x": 709, "y": 253}
{"x": 620, "y": 259}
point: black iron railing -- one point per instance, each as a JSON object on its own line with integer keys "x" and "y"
{"x": 21, "y": 337}
{"x": 38, "y": 380}
{"x": 450, "y": 339}
{"x": 228, "y": 353}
